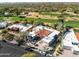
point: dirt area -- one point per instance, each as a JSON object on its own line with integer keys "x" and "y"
{"x": 76, "y": 28}
{"x": 37, "y": 15}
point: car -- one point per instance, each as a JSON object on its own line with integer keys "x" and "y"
{"x": 3, "y": 25}
{"x": 33, "y": 48}
{"x": 49, "y": 55}
{"x": 42, "y": 52}
{"x": 36, "y": 44}
{"x": 4, "y": 41}
{"x": 1, "y": 46}
{"x": 29, "y": 49}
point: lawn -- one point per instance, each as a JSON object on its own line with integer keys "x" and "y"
{"x": 74, "y": 24}
{"x": 50, "y": 13}
{"x": 76, "y": 30}
{"x": 47, "y": 20}
{"x": 16, "y": 18}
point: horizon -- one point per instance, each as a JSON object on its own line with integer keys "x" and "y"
{"x": 14, "y": 1}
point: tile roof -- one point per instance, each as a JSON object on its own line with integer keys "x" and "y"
{"x": 43, "y": 33}
{"x": 77, "y": 35}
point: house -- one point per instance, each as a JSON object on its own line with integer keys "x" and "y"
{"x": 69, "y": 10}
{"x": 40, "y": 31}
{"x": 3, "y": 24}
{"x": 77, "y": 35}
{"x": 22, "y": 15}
{"x": 6, "y": 13}
{"x": 20, "y": 27}
{"x": 47, "y": 36}
{"x": 75, "y": 48}
{"x": 33, "y": 15}
{"x": 47, "y": 40}
{"x": 51, "y": 37}
{"x": 70, "y": 41}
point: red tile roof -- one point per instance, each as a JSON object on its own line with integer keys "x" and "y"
{"x": 43, "y": 33}
{"x": 77, "y": 35}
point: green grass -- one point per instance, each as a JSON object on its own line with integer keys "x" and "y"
{"x": 74, "y": 24}
{"x": 76, "y": 30}
{"x": 52, "y": 21}
{"x": 46, "y": 20}
{"x": 29, "y": 54}
{"x": 55, "y": 14}
{"x": 16, "y": 18}
{"x": 49, "y": 13}
{"x": 1, "y": 18}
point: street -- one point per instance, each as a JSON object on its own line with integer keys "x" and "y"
{"x": 10, "y": 50}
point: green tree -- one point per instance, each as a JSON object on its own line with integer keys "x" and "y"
{"x": 6, "y": 35}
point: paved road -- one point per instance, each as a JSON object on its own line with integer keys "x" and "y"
{"x": 10, "y": 50}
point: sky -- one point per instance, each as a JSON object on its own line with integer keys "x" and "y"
{"x": 39, "y": 1}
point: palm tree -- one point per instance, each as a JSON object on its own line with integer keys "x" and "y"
{"x": 61, "y": 20}
{"x": 55, "y": 26}
{"x": 61, "y": 28}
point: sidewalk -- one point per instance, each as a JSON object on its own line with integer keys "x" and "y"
{"x": 68, "y": 53}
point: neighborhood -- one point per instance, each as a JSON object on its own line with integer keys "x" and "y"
{"x": 44, "y": 39}
{"x": 39, "y": 30}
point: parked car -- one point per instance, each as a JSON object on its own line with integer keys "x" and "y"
{"x": 3, "y": 25}
{"x": 33, "y": 48}
{"x": 29, "y": 49}
{"x": 1, "y": 46}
